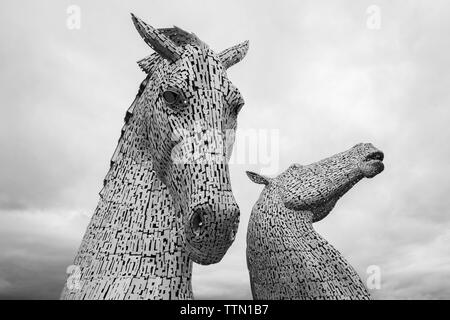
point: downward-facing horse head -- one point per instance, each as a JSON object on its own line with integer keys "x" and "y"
{"x": 286, "y": 257}
{"x": 190, "y": 108}
{"x": 167, "y": 197}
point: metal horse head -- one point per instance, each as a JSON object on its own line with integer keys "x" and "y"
{"x": 189, "y": 109}
{"x": 316, "y": 188}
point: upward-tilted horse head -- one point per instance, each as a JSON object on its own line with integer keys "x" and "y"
{"x": 314, "y": 189}
{"x": 189, "y": 109}
{"x": 286, "y": 257}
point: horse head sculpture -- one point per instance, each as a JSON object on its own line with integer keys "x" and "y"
{"x": 190, "y": 109}
{"x": 286, "y": 257}
{"x": 166, "y": 200}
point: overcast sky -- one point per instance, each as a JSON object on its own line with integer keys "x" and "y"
{"x": 318, "y": 74}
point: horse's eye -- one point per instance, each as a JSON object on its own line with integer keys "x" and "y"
{"x": 238, "y": 105}
{"x": 174, "y": 98}
{"x": 170, "y": 96}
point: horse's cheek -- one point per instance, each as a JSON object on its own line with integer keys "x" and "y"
{"x": 286, "y": 198}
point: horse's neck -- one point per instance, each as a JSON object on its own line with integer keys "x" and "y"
{"x": 132, "y": 247}
{"x": 282, "y": 221}
{"x": 285, "y": 236}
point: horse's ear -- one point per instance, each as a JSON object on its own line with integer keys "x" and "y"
{"x": 233, "y": 55}
{"x": 157, "y": 40}
{"x": 257, "y": 178}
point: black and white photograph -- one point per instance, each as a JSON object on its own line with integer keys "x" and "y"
{"x": 249, "y": 151}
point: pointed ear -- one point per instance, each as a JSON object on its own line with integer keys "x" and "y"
{"x": 157, "y": 40}
{"x": 257, "y": 178}
{"x": 233, "y": 55}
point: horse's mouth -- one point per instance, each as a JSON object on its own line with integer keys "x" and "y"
{"x": 200, "y": 257}
{"x": 372, "y": 164}
{"x": 374, "y": 156}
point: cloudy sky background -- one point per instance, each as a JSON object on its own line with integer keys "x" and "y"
{"x": 315, "y": 73}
